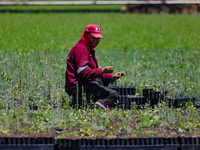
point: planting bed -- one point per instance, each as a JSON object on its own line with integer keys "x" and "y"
{"x": 158, "y": 50}
{"x": 125, "y": 122}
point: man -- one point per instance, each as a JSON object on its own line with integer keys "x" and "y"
{"x": 84, "y": 76}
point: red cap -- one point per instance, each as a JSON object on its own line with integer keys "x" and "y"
{"x": 94, "y": 30}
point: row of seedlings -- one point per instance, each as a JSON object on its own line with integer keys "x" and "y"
{"x": 151, "y": 97}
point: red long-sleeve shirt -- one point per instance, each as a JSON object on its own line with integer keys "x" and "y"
{"x": 82, "y": 67}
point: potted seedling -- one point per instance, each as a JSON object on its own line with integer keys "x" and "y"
{"x": 125, "y": 90}
{"x": 181, "y": 101}
{"x": 153, "y": 94}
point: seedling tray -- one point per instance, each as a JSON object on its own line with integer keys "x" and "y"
{"x": 181, "y": 101}
{"x": 126, "y": 102}
{"x": 154, "y": 143}
{"x": 121, "y": 144}
{"x": 28, "y": 147}
{"x": 192, "y": 143}
{"x": 154, "y": 95}
{"x": 125, "y": 90}
{"x": 26, "y": 143}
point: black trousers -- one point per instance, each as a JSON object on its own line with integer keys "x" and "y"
{"x": 94, "y": 91}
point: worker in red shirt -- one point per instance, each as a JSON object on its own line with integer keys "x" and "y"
{"x": 83, "y": 74}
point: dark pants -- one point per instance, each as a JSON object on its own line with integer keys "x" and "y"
{"x": 94, "y": 90}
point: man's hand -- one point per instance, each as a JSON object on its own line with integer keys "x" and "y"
{"x": 108, "y": 69}
{"x": 118, "y": 75}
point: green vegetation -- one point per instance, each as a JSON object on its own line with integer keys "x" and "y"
{"x": 62, "y": 8}
{"x": 159, "y": 50}
{"x": 59, "y": 31}
{"x": 65, "y": 123}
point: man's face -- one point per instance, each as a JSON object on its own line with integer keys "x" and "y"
{"x": 94, "y": 41}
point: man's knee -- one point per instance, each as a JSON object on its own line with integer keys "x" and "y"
{"x": 114, "y": 94}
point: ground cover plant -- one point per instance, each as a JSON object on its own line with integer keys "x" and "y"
{"x": 157, "y": 50}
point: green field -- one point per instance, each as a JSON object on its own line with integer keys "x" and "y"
{"x": 159, "y": 50}
{"x": 36, "y": 31}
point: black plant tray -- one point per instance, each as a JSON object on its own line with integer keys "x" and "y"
{"x": 154, "y": 143}
{"x": 192, "y": 143}
{"x": 181, "y": 101}
{"x": 139, "y": 100}
{"x": 142, "y": 144}
{"x": 26, "y": 143}
{"x": 119, "y": 147}
{"x": 67, "y": 144}
{"x": 123, "y": 102}
{"x": 126, "y": 102}
{"x": 28, "y": 147}
{"x": 119, "y": 144}
{"x": 125, "y": 90}
{"x": 154, "y": 95}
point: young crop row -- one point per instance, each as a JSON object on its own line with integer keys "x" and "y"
{"x": 161, "y": 121}
{"x": 128, "y": 32}
{"x": 40, "y": 75}
{"x": 37, "y": 78}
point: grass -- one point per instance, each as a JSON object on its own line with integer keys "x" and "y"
{"x": 57, "y": 31}
{"x": 159, "y": 50}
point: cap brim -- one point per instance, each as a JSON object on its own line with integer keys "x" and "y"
{"x": 96, "y": 35}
